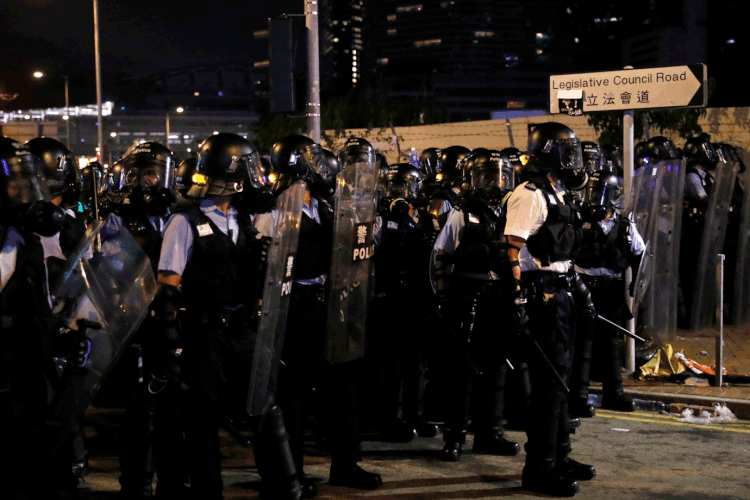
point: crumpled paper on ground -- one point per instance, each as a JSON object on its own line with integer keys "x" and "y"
{"x": 722, "y": 415}
{"x": 662, "y": 364}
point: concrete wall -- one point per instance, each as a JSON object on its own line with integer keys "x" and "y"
{"x": 27, "y": 130}
{"x": 730, "y": 125}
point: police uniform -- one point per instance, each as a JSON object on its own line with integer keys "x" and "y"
{"x": 151, "y": 424}
{"x": 608, "y": 248}
{"x": 698, "y": 187}
{"x": 536, "y": 212}
{"x": 473, "y": 237}
{"x": 402, "y": 253}
{"x": 209, "y": 250}
{"x": 26, "y": 351}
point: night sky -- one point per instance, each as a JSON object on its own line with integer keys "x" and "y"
{"x": 138, "y": 38}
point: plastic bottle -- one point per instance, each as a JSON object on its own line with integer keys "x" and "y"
{"x": 414, "y": 157}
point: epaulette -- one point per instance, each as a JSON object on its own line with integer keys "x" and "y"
{"x": 531, "y": 186}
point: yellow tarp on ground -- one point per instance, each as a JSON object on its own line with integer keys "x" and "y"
{"x": 662, "y": 364}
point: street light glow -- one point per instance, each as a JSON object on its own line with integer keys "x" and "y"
{"x": 113, "y": 134}
{"x": 180, "y": 109}
{"x": 38, "y": 74}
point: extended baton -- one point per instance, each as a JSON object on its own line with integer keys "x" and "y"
{"x": 623, "y": 330}
{"x": 547, "y": 363}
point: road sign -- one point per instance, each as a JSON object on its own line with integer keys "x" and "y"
{"x": 669, "y": 87}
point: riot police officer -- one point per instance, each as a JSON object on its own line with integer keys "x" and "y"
{"x": 542, "y": 220}
{"x": 145, "y": 185}
{"x": 471, "y": 278}
{"x": 64, "y": 186}
{"x": 212, "y": 253}
{"x": 26, "y": 213}
{"x": 593, "y": 159}
{"x": 451, "y": 180}
{"x": 294, "y": 158}
{"x": 613, "y": 159}
{"x": 610, "y": 244}
{"x": 401, "y": 277}
{"x": 512, "y": 159}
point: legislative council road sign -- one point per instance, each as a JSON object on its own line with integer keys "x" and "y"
{"x": 669, "y": 87}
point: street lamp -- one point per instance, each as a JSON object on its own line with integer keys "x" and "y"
{"x": 40, "y": 75}
{"x": 179, "y": 109}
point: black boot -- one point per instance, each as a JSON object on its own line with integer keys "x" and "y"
{"x": 353, "y": 476}
{"x": 454, "y": 441}
{"x": 495, "y": 444}
{"x": 618, "y": 402}
{"x": 571, "y": 469}
{"x": 540, "y": 478}
{"x": 581, "y": 409}
{"x": 399, "y": 430}
{"x": 273, "y": 457}
{"x": 581, "y": 370}
{"x": 614, "y": 397}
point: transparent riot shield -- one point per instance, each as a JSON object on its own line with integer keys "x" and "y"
{"x": 703, "y": 303}
{"x": 112, "y": 286}
{"x": 741, "y": 307}
{"x": 354, "y": 225}
{"x": 657, "y": 214}
{"x": 642, "y": 278}
{"x": 285, "y": 226}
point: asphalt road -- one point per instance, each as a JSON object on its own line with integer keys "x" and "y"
{"x": 639, "y": 456}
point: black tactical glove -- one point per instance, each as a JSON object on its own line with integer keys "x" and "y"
{"x": 165, "y": 344}
{"x": 517, "y": 318}
{"x": 582, "y": 296}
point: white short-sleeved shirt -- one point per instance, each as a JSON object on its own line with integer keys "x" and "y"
{"x": 451, "y": 234}
{"x": 526, "y": 213}
{"x": 9, "y": 255}
{"x": 694, "y": 189}
{"x": 637, "y": 246}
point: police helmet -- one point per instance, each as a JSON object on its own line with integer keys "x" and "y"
{"x": 183, "y": 175}
{"x": 335, "y": 165}
{"x": 225, "y": 161}
{"x": 148, "y": 176}
{"x": 512, "y": 158}
{"x": 429, "y": 161}
{"x": 298, "y": 157}
{"x": 60, "y": 167}
{"x": 556, "y": 146}
{"x": 613, "y": 160}
{"x": 356, "y": 150}
{"x": 403, "y": 180}
{"x": 593, "y": 159}
{"x": 699, "y": 150}
{"x": 24, "y": 196}
{"x": 487, "y": 170}
{"x": 603, "y": 191}
{"x": 660, "y": 148}
{"x": 450, "y": 168}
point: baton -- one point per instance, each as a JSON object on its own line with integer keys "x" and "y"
{"x": 623, "y": 330}
{"x": 462, "y": 347}
{"x": 545, "y": 360}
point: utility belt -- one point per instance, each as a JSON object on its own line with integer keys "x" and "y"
{"x": 601, "y": 281}
{"x": 218, "y": 317}
{"x": 465, "y": 284}
{"x": 548, "y": 281}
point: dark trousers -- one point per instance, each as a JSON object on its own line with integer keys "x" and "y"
{"x": 304, "y": 368}
{"x": 552, "y": 324}
{"x": 216, "y": 363}
{"x": 598, "y": 346}
{"x": 474, "y": 320}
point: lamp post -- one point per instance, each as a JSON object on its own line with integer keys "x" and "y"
{"x": 179, "y": 109}
{"x": 40, "y": 75}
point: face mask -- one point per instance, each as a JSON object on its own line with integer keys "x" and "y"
{"x": 41, "y": 217}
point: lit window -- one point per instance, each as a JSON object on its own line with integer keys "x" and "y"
{"x": 260, "y": 34}
{"x": 382, "y": 61}
{"x": 196, "y": 94}
{"x": 539, "y": 36}
{"x": 335, "y": 40}
{"x": 731, "y": 40}
{"x": 428, "y": 43}
{"x": 262, "y": 64}
{"x": 391, "y": 17}
{"x": 613, "y": 19}
{"x": 484, "y": 34}
{"x": 539, "y": 51}
{"x": 357, "y": 18}
{"x": 577, "y": 40}
{"x": 409, "y": 8}
{"x": 392, "y": 32}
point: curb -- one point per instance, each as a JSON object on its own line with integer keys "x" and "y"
{"x": 740, "y": 408}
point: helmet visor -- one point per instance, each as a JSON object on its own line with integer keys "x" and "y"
{"x": 24, "y": 182}
{"x": 571, "y": 156}
{"x": 599, "y": 191}
{"x": 669, "y": 150}
{"x": 148, "y": 172}
{"x": 486, "y": 179}
{"x": 247, "y": 167}
{"x": 400, "y": 187}
{"x": 710, "y": 151}
{"x": 317, "y": 161}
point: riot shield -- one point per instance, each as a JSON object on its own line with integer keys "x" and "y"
{"x": 354, "y": 224}
{"x": 741, "y": 306}
{"x": 642, "y": 278}
{"x": 285, "y": 225}
{"x": 703, "y": 294}
{"x": 657, "y": 212}
{"x": 113, "y": 287}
